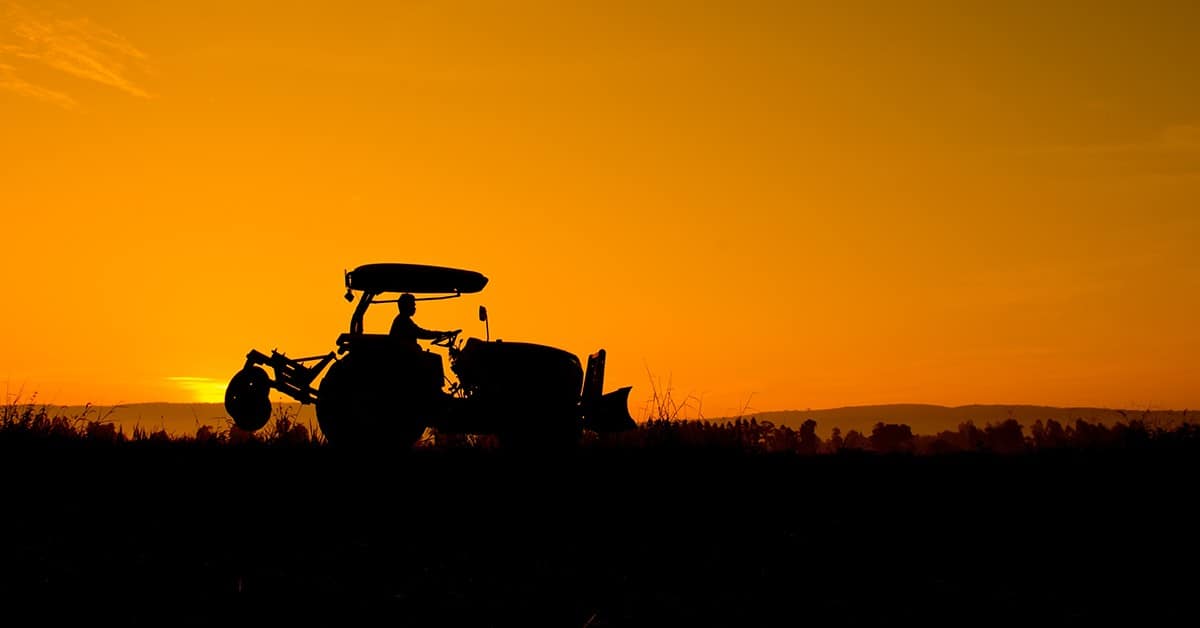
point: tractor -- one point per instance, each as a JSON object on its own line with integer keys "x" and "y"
{"x": 378, "y": 390}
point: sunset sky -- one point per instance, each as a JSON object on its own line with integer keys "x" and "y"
{"x": 770, "y": 204}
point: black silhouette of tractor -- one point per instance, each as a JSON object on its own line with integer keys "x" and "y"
{"x": 378, "y": 389}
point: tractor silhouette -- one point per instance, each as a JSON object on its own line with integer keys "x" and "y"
{"x": 378, "y": 389}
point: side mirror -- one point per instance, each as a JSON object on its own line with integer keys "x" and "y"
{"x": 482, "y": 314}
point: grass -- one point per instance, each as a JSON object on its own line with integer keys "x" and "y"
{"x": 29, "y": 421}
{"x": 33, "y": 422}
{"x": 676, "y": 523}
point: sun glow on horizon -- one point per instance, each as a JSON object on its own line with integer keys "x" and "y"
{"x": 200, "y": 389}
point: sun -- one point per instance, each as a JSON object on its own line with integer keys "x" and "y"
{"x": 200, "y": 389}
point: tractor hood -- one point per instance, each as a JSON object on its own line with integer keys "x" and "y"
{"x": 522, "y": 371}
{"x": 378, "y": 278}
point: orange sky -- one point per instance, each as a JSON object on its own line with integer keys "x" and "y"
{"x": 787, "y": 207}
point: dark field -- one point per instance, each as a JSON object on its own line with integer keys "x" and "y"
{"x": 180, "y": 534}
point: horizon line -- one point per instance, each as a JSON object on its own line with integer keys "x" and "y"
{"x": 746, "y": 414}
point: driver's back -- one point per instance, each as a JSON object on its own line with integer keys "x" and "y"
{"x": 404, "y": 330}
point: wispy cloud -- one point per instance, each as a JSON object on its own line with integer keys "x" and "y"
{"x": 78, "y": 47}
{"x": 11, "y": 81}
{"x": 1181, "y": 136}
{"x": 1171, "y": 151}
{"x": 1176, "y": 137}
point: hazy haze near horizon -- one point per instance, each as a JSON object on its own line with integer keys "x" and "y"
{"x": 183, "y": 419}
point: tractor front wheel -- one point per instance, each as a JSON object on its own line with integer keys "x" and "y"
{"x": 553, "y": 431}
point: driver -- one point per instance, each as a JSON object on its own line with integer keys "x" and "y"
{"x": 403, "y": 327}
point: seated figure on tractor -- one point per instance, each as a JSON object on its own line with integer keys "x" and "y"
{"x": 405, "y": 329}
{"x": 406, "y": 332}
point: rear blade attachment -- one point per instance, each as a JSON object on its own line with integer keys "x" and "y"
{"x": 610, "y": 413}
{"x": 604, "y": 413}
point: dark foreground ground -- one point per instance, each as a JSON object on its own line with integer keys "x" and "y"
{"x": 176, "y": 535}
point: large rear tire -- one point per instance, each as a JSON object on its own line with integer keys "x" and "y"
{"x": 359, "y": 410}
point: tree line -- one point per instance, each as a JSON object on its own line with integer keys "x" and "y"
{"x": 1006, "y": 437}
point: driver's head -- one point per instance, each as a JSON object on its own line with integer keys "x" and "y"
{"x": 407, "y": 304}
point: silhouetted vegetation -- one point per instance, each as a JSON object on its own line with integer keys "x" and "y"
{"x": 677, "y": 523}
{"x": 30, "y": 421}
{"x": 1008, "y": 437}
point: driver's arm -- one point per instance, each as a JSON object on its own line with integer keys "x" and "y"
{"x": 427, "y": 334}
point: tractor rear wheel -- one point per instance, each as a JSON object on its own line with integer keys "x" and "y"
{"x": 356, "y": 409}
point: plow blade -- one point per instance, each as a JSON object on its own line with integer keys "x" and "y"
{"x": 609, "y": 413}
{"x": 247, "y": 400}
{"x": 603, "y": 413}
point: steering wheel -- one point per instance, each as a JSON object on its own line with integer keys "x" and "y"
{"x": 446, "y": 339}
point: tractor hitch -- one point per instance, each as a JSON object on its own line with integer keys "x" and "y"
{"x": 292, "y": 377}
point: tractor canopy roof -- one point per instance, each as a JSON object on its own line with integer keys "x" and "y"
{"x": 414, "y": 278}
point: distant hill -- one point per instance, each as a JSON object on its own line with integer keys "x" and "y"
{"x": 930, "y": 419}
{"x": 186, "y": 418}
